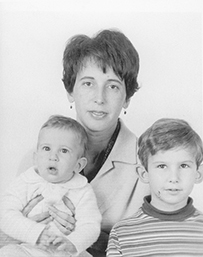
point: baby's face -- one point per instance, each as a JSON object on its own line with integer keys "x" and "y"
{"x": 171, "y": 175}
{"x": 57, "y": 154}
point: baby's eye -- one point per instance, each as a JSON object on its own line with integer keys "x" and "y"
{"x": 46, "y": 148}
{"x": 184, "y": 166}
{"x": 161, "y": 166}
{"x": 64, "y": 150}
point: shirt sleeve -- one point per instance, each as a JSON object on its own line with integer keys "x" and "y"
{"x": 12, "y": 221}
{"x": 113, "y": 249}
{"x": 88, "y": 221}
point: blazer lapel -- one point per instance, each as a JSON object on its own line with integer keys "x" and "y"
{"x": 124, "y": 150}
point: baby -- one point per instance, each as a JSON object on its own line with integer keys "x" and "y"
{"x": 59, "y": 158}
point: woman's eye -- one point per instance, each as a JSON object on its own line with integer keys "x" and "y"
{"x": 46, "y": 148}
{"x": 87, "y": 83}
{"x": 113, "y": 86}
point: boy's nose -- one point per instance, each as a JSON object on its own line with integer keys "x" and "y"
{"x": 174, "y": 175}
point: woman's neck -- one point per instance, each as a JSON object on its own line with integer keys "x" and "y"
{"x": 98, "y": 140}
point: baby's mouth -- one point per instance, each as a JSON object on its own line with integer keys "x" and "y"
{"x": 52, "y": 170}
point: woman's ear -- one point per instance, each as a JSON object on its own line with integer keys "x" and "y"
{"x": 143, "y": 174}
{"x": 70, "y": 97}
{"x": 126, "y": 104}
{"x": 199, "y": 175}
{"x": 81, "y": 163}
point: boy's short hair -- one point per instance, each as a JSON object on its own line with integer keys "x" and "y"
{"x": 109, "y": 48}
{"x": 166, "y": 134}
{"x": 67, "y": 123}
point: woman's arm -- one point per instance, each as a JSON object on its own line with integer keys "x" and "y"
{"x": 64, "y": 221}
{"x": 43, "y": 217}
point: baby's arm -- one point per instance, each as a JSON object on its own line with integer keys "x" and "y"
{"x": 88, "y": 220}
{"x": 63, "y": 244}
{"x": 46, "y": 239}
{"x": 12, "y": 220}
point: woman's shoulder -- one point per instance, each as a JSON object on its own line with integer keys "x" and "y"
{"x": 125, "y": 148}
{"x": 126, "y": 131}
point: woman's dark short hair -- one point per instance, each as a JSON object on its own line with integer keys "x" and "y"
{"x": 109, "y": 48}
{"x": 166, "y": 134}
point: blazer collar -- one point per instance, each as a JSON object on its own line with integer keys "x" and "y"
{"x": 124, "y": 149}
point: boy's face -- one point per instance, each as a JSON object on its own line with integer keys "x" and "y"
{"x": 172, "y": 175}
{"x": 57, "y": 155}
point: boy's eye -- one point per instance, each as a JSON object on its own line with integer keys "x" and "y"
{"x": 161, "y": 166}
{"x": 46, "y": 148}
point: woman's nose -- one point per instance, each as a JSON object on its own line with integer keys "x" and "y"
{"x": 99, "y": 95}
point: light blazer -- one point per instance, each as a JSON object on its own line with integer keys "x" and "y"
{"x": 118, "y": 190}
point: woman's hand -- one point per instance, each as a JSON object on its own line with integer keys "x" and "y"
{"x": 43, "y": 217}
{"x": 64, "y": 221}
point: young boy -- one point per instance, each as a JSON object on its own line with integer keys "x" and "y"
{"x": 167, "y": 224}
{"x": 57, "y": 162}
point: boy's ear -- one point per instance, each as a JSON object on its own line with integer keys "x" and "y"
{"x": 70, "y": 97}
{"x": 199, "y": 174}
{"x": 81, "y": 163}
{"x": 143, "y": 174}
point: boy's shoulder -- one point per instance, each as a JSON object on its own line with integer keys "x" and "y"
{"x": 133, "y": 220}
{"x": 198, "y": 215}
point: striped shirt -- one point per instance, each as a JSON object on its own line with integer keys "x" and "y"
{"x": 150, "y": 233}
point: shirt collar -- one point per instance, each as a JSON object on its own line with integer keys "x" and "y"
{"x": 178, "y": 215}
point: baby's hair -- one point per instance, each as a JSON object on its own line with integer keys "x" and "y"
{"x": 67, "y": 123}
{"x": 109, "y": 48}
{"x": 166, "y": 134}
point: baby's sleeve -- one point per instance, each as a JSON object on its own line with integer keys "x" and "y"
{"x": 88, "y": 221}
{"x": 12, "y": 221}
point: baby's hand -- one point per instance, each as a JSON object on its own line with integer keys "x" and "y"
{"x": 63, "y": 244}
{"x": 46, "y": 238}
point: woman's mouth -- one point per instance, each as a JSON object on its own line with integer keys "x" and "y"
{"x": 97, "y": 114}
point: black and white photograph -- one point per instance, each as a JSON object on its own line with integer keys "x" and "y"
{"x": 101, "y": 130}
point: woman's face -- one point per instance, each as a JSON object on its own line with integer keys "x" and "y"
{"x": 99, "y": 97}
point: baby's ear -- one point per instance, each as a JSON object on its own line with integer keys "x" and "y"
{"x": 34, "y": 158}
{"x": 81, "y": 163}
{"x": 199, "y": 174}
{"x": 142, "y": 173}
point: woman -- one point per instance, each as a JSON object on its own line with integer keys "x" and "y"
{"x": 100, "y": 77}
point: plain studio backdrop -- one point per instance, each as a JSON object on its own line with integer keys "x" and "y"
{"x": 33, "y": 34}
